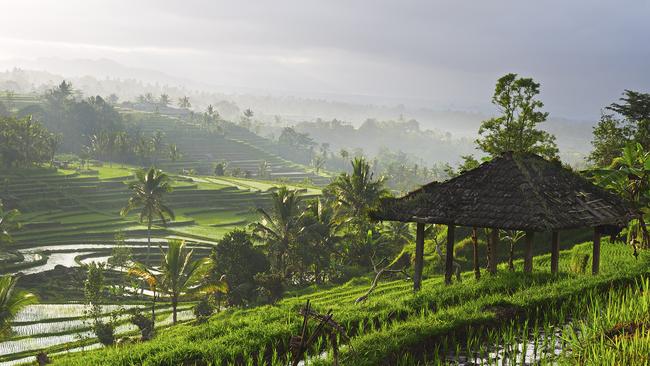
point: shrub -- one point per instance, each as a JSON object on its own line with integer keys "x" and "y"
{"x": 105, "y": 332}
{"x": 203, "y": 310}
{"x": 144, "y": 324}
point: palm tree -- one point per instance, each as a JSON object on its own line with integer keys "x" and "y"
{"x": 8, "y": 223}
{"x": 148, "y": 192}
{"x": 178, "y": 274}
{"x": 148, "y": 275}
{"x": 11, "y": 302}
{"x": 279, "y": 227}
{"x": 157, "y": 141}
{"x": 184, "y": 102}
{"x": 358, "y": 192}
{"x": 174, "y": 154}
{"x": 320, "y": 233}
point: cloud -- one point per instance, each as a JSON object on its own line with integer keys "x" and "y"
{"x": 449, "y": 53}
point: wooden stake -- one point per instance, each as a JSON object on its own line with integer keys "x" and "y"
{"x": 595, "y": 263}
{"x": 477, "y": 269}
{"x": 419, "y": 257}
{"x": 494, "y": 242}
{"x": 449, "y": 262}
{"x": 528, "y": 258}
{"x": 555, "y": 252}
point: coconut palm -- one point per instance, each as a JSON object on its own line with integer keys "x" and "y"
{"x": 11, "y": 302}
{"x": 178, "y": 274}
{"x": 279, "y": 227}
{"x": 8, "y": 223}
{"x": 148, "y": 192}
{"x": 358, "y": 192}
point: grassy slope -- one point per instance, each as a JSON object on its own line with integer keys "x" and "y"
{"x": 392, "y": 321}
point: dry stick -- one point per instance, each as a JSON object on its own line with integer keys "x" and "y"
{"x": 364, "y": 297}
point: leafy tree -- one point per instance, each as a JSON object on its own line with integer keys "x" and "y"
{"x": 8, "y": 223}
{"x": 264, "y": 170}
{"x": 220, "y": 169}
{"x": 629, "y": 176}
{"x": 121, "y": 254}
{"x": 53, "y": 144}
{"x": 319, "y": 241}
{"x": 630, "y": 124}
{"x": 515, "y": 129}
{"x": 93, "y": 297}
{"x": 237, "y": 261}
{"x": 318, "y": 162}
{"x": 179, "y": 274}
{"x": 279, "y": 228}
{"x": 23, "y": 142}
{"x": 148, "y": 192}
{"x": 11, "y": 302}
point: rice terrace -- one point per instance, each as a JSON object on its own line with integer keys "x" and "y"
{"x": 305, "y": 183}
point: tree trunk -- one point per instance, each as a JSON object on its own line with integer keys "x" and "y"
{"x": 477, "y": 269}
{"x": 595, "y": 263}
{"x": 148, "y": 240}
{"x": 174, "y": 305}
{"x": 449, "y": 257}
{"x": 153, "y": 312}
{"x": 528, "y": 257}
{"x": 494, "y": 242}
{"x": 419, "y": 257}
{"x": 555, "y": 252}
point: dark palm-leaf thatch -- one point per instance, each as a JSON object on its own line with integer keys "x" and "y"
{"x": 516, "y": 191}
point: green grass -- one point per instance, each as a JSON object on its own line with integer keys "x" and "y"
{"x": 391, "y": 322}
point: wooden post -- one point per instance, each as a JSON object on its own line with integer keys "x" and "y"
{"x": 555, "y": 252}
{"x": 477, "y": 269}
{"x": 595, "y": 262}
{"x": 449, "y": 262}
{"x": 494, "y": 242}
{"x": 419, "y": 257}
{"x": 528, "y": 257}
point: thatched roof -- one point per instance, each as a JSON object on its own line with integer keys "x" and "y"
{"x": 514, "y": 191}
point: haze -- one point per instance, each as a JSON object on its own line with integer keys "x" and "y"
{"x": 443, "y": 55}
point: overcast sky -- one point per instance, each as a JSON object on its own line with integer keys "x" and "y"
{"x": 446, "y": 53}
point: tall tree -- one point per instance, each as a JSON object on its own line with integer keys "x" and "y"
{"x": 148, "y": 192}
{"x": 630, "y": 123}
{"x": 358, "y": 192}
{"x": 11, "y": 302}
{"x": 279, "y": 228}
{"x": 164, "y": 100}
{"x": 184, "y": 102}
{"x": 516, "y": 127}
{"x": 179, "y": 274}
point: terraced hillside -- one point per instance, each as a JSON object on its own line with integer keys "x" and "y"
{"x": 394, "y": 326}
{"x": 237, "y": 147}
{"x": 66, "y": 207}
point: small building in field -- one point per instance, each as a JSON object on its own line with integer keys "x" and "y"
{"x": 516, "y": 191}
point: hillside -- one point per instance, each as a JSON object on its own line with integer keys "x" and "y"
{"x": 394, "y": 326}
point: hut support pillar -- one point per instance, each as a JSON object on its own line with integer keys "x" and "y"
{"x": 555, "y": 251}
{"x": 493, "y": 243}
{"x": 528, "y": 258}
{"x": 419, "y": 257}
{"x": 595, "y": 262}
{"x": 449, "y": 260}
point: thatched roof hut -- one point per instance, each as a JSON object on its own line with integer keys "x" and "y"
{"x": 516, "y": 191}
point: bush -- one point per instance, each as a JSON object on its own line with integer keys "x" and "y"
{"x": 579, "y": 262}
{"x": 203, "y": 310}
{"x": 144, "y": 323}
{"x": 105, "y": 333}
